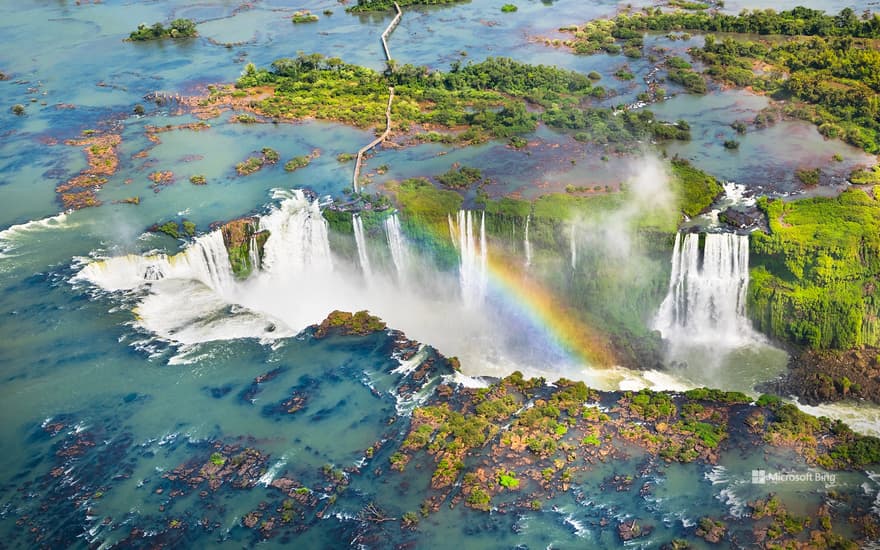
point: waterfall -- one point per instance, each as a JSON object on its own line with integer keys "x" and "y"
{"x": 297, "y": 239}
{"x": 297, "y": 236}
{"x": 526, "y": 244}
{"x": 396, "y": 244}
{"x": 254, "y": 253}
{"x": 473, "y": 263}
{"x": 205, "y": 260}
{"x": 452, "y": 233}
{"x": 706, "y": 301}
{"x": 361, "y": 245}
{"x": 573, "y": 246}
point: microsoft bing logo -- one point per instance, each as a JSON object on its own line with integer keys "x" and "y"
{"x": 763, "y": 477}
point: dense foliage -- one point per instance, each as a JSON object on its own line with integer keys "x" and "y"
{"x": 385, "y": 5}
{"x": 838, "y": 79}
{"x": 799, "y": 21}
{"x": 490, "y": 98}
{"x": 179, "y": 28}
{"x": 814, "y": 277}
{"x": 836, "y": 72}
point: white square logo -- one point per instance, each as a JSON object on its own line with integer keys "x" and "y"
{"x": 759, "y": 477}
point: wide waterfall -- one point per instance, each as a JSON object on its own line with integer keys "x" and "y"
{"x": 473, "y": 261}
{"x": 397, "y": 245}
{"x": 706, "y": 301}
{"x": 526, "y": 244}
{"x": 361, "y": 242}
{"x": 205, "y": 260}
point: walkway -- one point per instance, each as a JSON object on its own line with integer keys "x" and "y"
{"x": 360, "y": 155}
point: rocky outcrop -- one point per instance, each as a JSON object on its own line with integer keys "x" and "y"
{"x": 241, "y": 237}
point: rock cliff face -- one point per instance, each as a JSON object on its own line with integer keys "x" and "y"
{"x": 244, "y": 243}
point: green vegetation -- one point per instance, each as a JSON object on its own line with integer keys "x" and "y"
{"x": 179, "y": 28}
{"x": 360, "y": 323}
{"x": 717, "y": 396}
{"x": 297, "y": 162}
{"x": 796, "y": 22}
{"x": 623, "y": 73}
{"x": 198, "y": 179}
{"x": 848, "y": 451}
{"x": 835, "y": 79}
{"x": 814, "y": 277}
{"x": 189, "y": 228}
{"x": 479, "y": 499}
{"x": 169, "y": 228}
{"x": 239, "y": 236}
{"x": 509, "y": 8}
{"x": 834, "y": 73}
{"x": 697, "y": 190}
{"x": 808, "y": 176}
{"x": 866, "y": 177}
{"x": 731, "y": 144}
{"x": 249, "y": 166}
{"x": 651, "y": 405}
{"x": 217, "y": 459}
{"x": 489, "y": 98}
{"x": 253, "y": 164}
{"x": 387, "y": 5}
{"x": 690, "y": 79}
{"x": 304, "y": 16}
{"x": 508, "y": 479}
{"x": 270, "y": 156}
{"x": 17, "y": 109}
{"x": 462, "y": 178}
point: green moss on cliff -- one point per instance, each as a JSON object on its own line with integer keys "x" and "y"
{"x": 696, "y": 189}
{"x": 814, "y": 277}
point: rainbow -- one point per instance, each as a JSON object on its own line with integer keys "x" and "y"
{"x": 544, "y": 309}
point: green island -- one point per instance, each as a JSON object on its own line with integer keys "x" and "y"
{"x": 177, "y": 29}
{"x": 490, "y": 99}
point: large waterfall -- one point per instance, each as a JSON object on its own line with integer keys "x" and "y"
{"x": 706, "y": 301}
{"x": 397, "y": 245}
{"x": 361, "y": 242}
{"x": 473, "y": 260}
{"x": 297, "y": 236}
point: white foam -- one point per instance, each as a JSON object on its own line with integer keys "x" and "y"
{"x": 10, "y": 237}
{"x": 863, "y": 418}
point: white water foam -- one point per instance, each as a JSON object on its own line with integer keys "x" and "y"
{"x": 11, "y": 236}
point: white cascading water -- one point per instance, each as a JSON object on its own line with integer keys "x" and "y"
{"x": 254, "y": 253}
{"x": 573, "y": 246}
{"x": 361, "y": 242}
{"x": 526, "y": 244}
{"x": 205, "y": 260}
{"x": 397, "y": 245}
{"x": 297, "y": 236}
{"x": 473, "y": 262}
{"x": 706, "y": 301}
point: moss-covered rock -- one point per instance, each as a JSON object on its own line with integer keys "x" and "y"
{"x": 814, "y": 277}
{"x": 345, "y": 323}
{"x": 240, "y": 236}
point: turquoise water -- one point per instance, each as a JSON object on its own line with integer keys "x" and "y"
{"x": 77, "y": 366}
